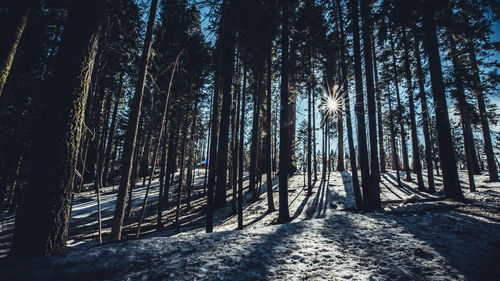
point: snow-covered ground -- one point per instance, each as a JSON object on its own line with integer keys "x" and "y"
{"x": 327, "y": 239}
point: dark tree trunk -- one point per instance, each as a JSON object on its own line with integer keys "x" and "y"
{"x": 378, "y": 98}
{"x": 284, "y": 163}
{"x": 465, "y": 111}
{"x": 350, "y": 138}
{"x": 395, "y": 157}
{"x": 483, "y": 115}
{"x": 16, "y": 20}
{"x": 131, "y": 134}
{"x": 267, "y": 139}
{"x": 227, "y": 64}
{"x": 359, "y": 107}
{"x": 212, "y": 160}
{"x": 425, "y": 117}
{"x": 372, "y": 201}
{"x": 234, "y": 143}
{"x": 309, "y": 140}
{"x": 255, "y": 140}
{"x": 181, "y": 175}
{"x": 41, "y": 226}
{"x": 400, "y": 110}
{"x": 111, "y": 134}
{"x": 163, "y": 160}
{"x": 315, "y": 158}
{"x": 241, "y": 151}
{"x": 451, "y": 182}
{"x": 417, "y": 166}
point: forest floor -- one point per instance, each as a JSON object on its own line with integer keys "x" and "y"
{"x": 424, "y": 239}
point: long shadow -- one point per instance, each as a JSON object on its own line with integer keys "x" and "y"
{"x": 470, "y": 246}
{"x": 388, "y": 188}
{"x": 311, "y": 209}
{"x": 404, "y": 187}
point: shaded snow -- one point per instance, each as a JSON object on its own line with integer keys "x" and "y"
{"x": 437, "y": 240}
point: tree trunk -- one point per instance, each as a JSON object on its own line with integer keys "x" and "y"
{"x": 234, "y": 143}
{"x": 425, "y": 117}
{"x": 483, "y": 115}
{"x": 399, "y": 110}
{"x": 417, "y": 166}
{"x": 395, "y": 157}
{"x": 378, "y": 98}
{"x": 465, "y": 110}
{"x": 359, "y": 107}
{"x": 267, "y": 139}
{"x": 451, "y": 182}
{"x": 16, "y": 20}
{"x": 309, "y": 141}
{"x": 350, "y": 138}
{"x": 227, "y": 64}
{"x": 284, "y": 163}
{"x": 131, "y": 134}
{"x": 41, "y": 226}
{"x": 255, "y": 129}
{"x": 372, "y": 201}
{"x": 241, "y": 150}
{"x": 111, "y": 134}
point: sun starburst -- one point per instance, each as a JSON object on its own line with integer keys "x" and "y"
{"x": 331, "y": 102}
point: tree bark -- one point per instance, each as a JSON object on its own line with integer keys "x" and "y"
{"x": 417, "y": 166}
{"x": 284, "y": 163}
{"x": 399, "y": 110}
{"x": 16, "y": 20}
{"x": 425, "y": 116}
{"x": 372, "y": 201}
{"x": 359, "y": 107}
{"x": 350, "y": 138}
{"x": 131, "y": 134}
{"x": 451, "y": 182}
{"x": 41, "y": 226}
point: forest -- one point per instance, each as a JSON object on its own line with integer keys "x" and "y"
{"x": 249, "y": 140}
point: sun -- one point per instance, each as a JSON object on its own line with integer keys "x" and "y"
{"x": 331, "y": 102}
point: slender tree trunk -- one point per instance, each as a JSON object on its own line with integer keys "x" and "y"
{"x": 483, "y": 114}
{"x": 212, "y": 160}
{"x": 350, "y": 138}
{"x": 425, "y": 117}
{"x": 163, "y": 160}
{"x": 111, "y": 135}
{"x": 267, "y": 139}
{"x": 315, "y": 158}
{"x": 378, "y": 99}
{"x": 234, "y": 144}
{"x": 228, "y": 45}
{"x": 399, "y": 110}
{"x": 451, "y": 182}
{"x": 417, "y": 166}
{"x": 192, "y": 160}
{"x": 395, "y": 157}
{"x": 131, "y": 134}
{"x": 241, "y": 150}
{"x": 41, "y": 226}
{"x": 359, "y": 107}
{"x": 372, "y": 202}
{"x": 284, "y": 163}
{"x": 309, "y": 140}
{"x": 16, "y": 20}
{"x": 465, "y": 110}
{"x": 156, "y": 148}
{"x": 255, "y": 129}
{"x": 181, "y": 176}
